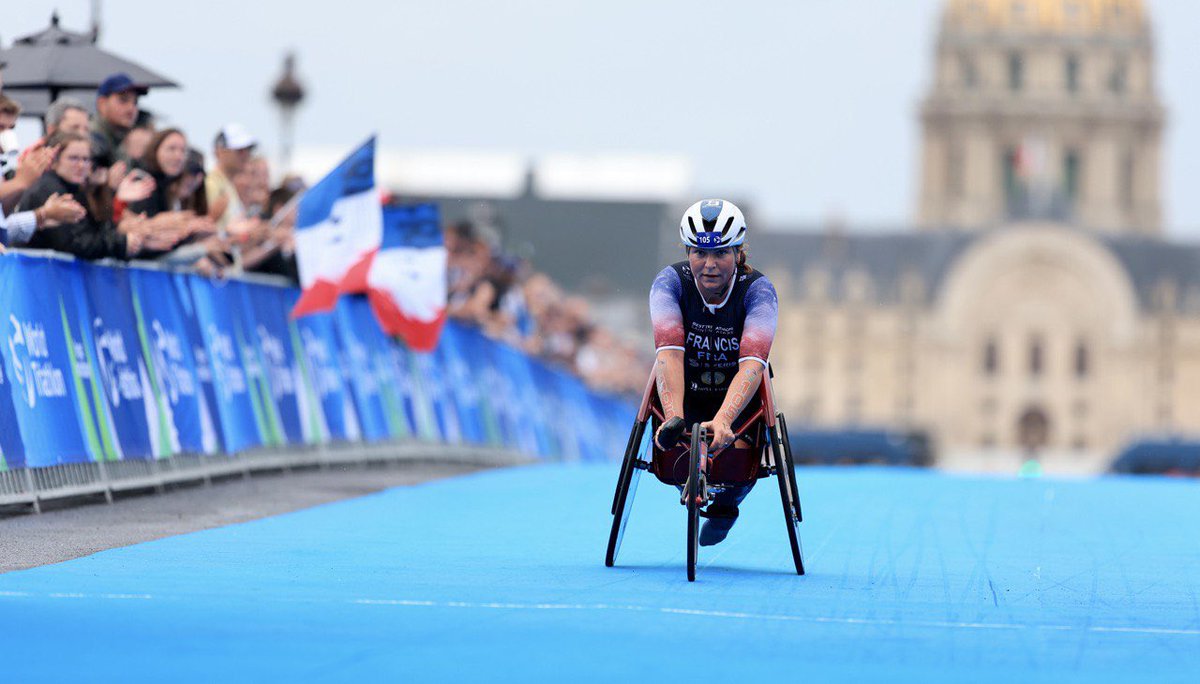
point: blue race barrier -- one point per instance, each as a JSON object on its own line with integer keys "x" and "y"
{"x": 113, "y": 363}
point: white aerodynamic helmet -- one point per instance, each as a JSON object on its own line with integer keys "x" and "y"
{"x": 712, "y": 224}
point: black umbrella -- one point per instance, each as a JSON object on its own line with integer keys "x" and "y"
{"x": 44, "y": 65}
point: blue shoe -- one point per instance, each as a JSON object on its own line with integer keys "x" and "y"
{"x": 716, "y": 527}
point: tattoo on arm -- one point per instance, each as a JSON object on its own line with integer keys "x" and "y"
{"x": 664, "y": 390}
{"x": 739, "y": 393}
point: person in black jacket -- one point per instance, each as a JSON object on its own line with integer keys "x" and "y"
{"x": 88, "y": 238}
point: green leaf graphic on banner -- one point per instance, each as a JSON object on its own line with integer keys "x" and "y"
{"x": 316, "y": 429}
{"x": 267, "y": 430}
{"x": 163, "y": 448}
{"x": 95, "y": 450}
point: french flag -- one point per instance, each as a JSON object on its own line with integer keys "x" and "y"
{"x": 339, "y": 227}
{"x": 406, "y": 284}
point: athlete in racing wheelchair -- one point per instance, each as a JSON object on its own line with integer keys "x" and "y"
{"x": 714, "y": 429}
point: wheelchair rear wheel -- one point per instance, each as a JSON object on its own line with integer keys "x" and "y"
{"x": 626, "y": 488}
{"x": 785, "y": 474}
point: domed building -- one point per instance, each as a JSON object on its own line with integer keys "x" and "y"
{"x": 1035, "y": 309}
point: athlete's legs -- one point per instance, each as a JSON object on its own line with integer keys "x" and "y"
{"x": 722, "y": 513}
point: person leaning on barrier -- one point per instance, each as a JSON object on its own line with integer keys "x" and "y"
{"x": 167, "y": 208}
{"x": 20, "y": 227}
{"x": 89, "y": 237}
{"x": 64, "y": 114}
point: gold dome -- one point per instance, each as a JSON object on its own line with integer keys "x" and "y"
{"x": 1052, "y": 16}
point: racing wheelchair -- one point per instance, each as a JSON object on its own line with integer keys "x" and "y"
{"x": 700, "y": 476}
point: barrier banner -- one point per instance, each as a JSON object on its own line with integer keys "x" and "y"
{"x": 94, "y": 415}
{"x": 354, "y": 318}
{"x": 47, "y": 394}
{"x": 131, "y": 401}
{"x": 107, "y": 363}
{"x": 166, "y": 342}
{"x": 382, "y": 363}
{"x": 12, "y": 448}
{"x": 520, "y": 413}
{"x": 445, "y": 413}
{"x": 417, "y": 403}
{"x": 239, "y": 404}
{"x": 319, "y": 338}
{"x": 460, "y": 387}
{"x": 212, "y": 432}
{"x": 268, "y": 345}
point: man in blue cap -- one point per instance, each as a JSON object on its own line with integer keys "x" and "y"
{"x": 116, "y": 113}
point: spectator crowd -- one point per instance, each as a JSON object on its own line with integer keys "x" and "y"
{"x": 116, "y": 184}
{"x": 510, "y": 301}
{"x": 119, "y": 184}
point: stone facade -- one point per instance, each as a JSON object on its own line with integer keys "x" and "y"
{"x": 1027, "y": 315}
{"x": 1047, "y": 101}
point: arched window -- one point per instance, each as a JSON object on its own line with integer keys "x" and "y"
{"x": 991, "y": 357}
{"x": 1118, "y": 76}
{"x": 1071, "y": 174}
{"x": 966, "y": 68}
{"x": 1083, "y": 361}
{"x": 1127, "y": 179}
{"x": 1071, "y": 73}
{"x": 1036, "y": 365}
{"x": 1016, "y": 71}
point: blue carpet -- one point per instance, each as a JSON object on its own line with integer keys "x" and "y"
{"x": 500, "y": 577}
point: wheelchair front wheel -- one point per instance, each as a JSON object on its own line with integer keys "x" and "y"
{"x": 694, "y": 493}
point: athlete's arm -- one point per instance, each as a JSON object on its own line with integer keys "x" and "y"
{"x": 667, "y": 318}
{"x": 741, "y": 390}
{"x": 758, "y": 333}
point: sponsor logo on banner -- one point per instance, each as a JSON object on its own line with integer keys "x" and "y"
{"x": 230, "y": 376}
{"x": 31, "y": 366}
{"x": 282, "y": 381}
{"x": 121, "y": 382}
{"x": 170, "y": 363}
{"x": 327, "y": 379}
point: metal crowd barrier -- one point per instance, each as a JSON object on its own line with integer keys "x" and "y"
{"x": 33, "y": 486}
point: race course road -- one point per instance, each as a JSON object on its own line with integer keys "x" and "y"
{"x": 499, "y": 576}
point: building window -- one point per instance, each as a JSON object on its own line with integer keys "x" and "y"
{"x": 966, "y": 67}
{"x": 1016, "y": 72}
{"x": 1035, "y": 356}
{"x": 991, "y": 357}
{"x": 1127, "y": 179}
{"x": 1072, "y": 73}
{"x": 954, "y": 169}
{"x": 1116, "y": 79}
{"x": 1011, "y": 184}
{"x": 1071, "y": 174}
{"x": 1082, "y": 360}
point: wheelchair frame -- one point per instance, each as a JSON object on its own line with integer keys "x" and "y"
{"x": 775, "y": 458}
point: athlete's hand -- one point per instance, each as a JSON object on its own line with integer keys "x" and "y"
{"x": 669, "y": 433}
{"x": 720, "y": 435}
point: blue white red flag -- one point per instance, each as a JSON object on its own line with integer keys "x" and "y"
{"x": 407, "y": 280}
{"x": 339, "y": 227}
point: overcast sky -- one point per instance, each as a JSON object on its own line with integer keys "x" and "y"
{"x": 807, "y": 108}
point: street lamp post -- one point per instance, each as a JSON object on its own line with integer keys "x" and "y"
{"x": 287, "y": 94}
